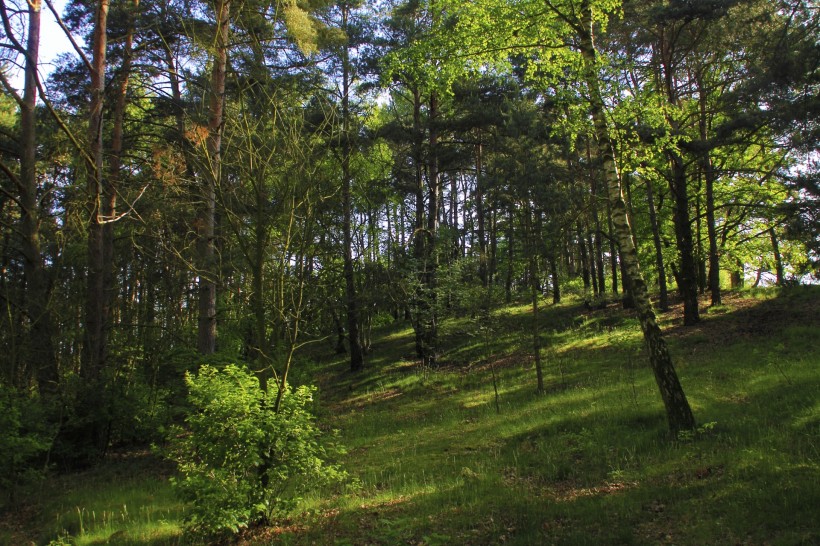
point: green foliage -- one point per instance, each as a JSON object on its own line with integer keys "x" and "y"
{"x": 240, "y": 461}
{"x": 23, "y": 441}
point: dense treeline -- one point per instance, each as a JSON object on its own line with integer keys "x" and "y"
{"x": 222, "y": 181}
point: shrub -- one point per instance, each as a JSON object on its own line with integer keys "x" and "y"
{"x": 24, "y": 441}
{"x": 241, "y": 462}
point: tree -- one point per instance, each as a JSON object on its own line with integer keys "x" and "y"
{"x": 40, "y": 336}
{"x": 576, "y": 22}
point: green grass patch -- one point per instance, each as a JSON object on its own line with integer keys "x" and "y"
{"x": 433, "y": 460}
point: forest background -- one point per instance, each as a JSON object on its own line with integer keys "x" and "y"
{"x": 212, "y": 183}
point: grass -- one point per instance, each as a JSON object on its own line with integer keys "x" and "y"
{"x": 126, "y": 500}
{"x": 432, "y": 461}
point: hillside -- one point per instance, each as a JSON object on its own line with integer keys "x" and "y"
{"x": 435, "y": 457}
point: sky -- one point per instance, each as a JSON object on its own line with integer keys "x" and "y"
{"x": 53, "y": 41}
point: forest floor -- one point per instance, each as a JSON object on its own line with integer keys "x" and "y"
{"x": 469, "y": 453}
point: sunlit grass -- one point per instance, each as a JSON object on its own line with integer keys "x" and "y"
{"x": 433, "y": 460}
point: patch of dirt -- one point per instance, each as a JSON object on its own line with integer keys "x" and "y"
{"x": 18, "y": 523}
{"x": 500, "y": 362}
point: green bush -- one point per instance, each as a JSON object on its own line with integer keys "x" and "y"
{"x": 24, "y": 441}
{"x": 241, "y": 462}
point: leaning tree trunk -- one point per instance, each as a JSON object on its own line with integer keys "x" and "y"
{"x": 678, "y": 412}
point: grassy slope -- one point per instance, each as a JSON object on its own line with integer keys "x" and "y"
{"x": 589, "y": 462}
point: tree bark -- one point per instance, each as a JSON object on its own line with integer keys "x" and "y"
{"x": 778, "y": 259}
{"x": 351, "y": 299}
{"x": 40, "y": 336}
{"x": 430, "y": 258}
{"x": 480, "y": 218}
{"x": 206, "y": 217}
{"x": 534, "y": 296}
{"x": 663, "y": 302}
{"x": 97, "y": 313}
{"x": 584, "y": 261}
{"x": 687, "y": 273}
{"x": 709, "y": 175}
{"x": 679, "y": 414}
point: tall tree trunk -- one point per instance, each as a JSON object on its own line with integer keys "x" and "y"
{"x": 709, "y": 175}
{"x": 679, "y": 414}
{"x": 418, "y": 239}
{"x": 97, "y": 312}
{"x": 112, "y": 185}
{"x": 663, "y": 302}
{"x": 508, "y": 281}
{"x": 584, "y": 261}
{"x": 597, "y": 288}
{"x": 40, "y": 336}
{"x": 480, "y": 218}
{"x": 351, "y": 299}
{"x": 430, "y": 257}
{"x": 613, "y": 252}
{"x": 596, "y": 252}
{"x": 493, "y": 265}
{"x": 206, "y": 217}
{"x": 556, "y": 285}
{"x": 778, "y": 259}
{"x": 532, "y": 237}
{"x": 687, "y": 272}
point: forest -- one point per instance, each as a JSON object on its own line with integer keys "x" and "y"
{"x": 410, "y": 272}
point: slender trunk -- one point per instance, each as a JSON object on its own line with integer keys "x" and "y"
{"x": 258, "y": 352}
{"x": 534, "y": 296}
{"x": 700, "y": 261}
{"x": 351, "y": 299}
{"x": 40, "y": 336}
{"x": 687, "y": 273}
{"x": 206, "y": 217}
{"x": 97, "y": 312}
{"x": 479, "y": 205}
{"x": 778, "y": 260}
{"x": 597, "y": 289}
{"x": 656, "y": 239}
{"x": 584, "y": 261}
{"x": 556, "y": 286}
{"x": 493, "y": 245}
{"x": 678, "y": 412}
{"x": 714, "y": 254}
{"x": 430, "y": 258}
{"x": 454, "y": 215}
{"x": 510, "y": 258}
{"x": 613, "y": 253}
{"x": 112, "y": 185}
{"x": 596, "y": 252}
{"x": 419, "y": 240}
{"x": 709, "y": 175}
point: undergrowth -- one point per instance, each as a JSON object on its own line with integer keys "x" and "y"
{"x": 435, "y": 458}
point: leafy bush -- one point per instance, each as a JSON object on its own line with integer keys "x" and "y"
{"x": 24, "y": 440}
{"x": 240, "y": 461}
